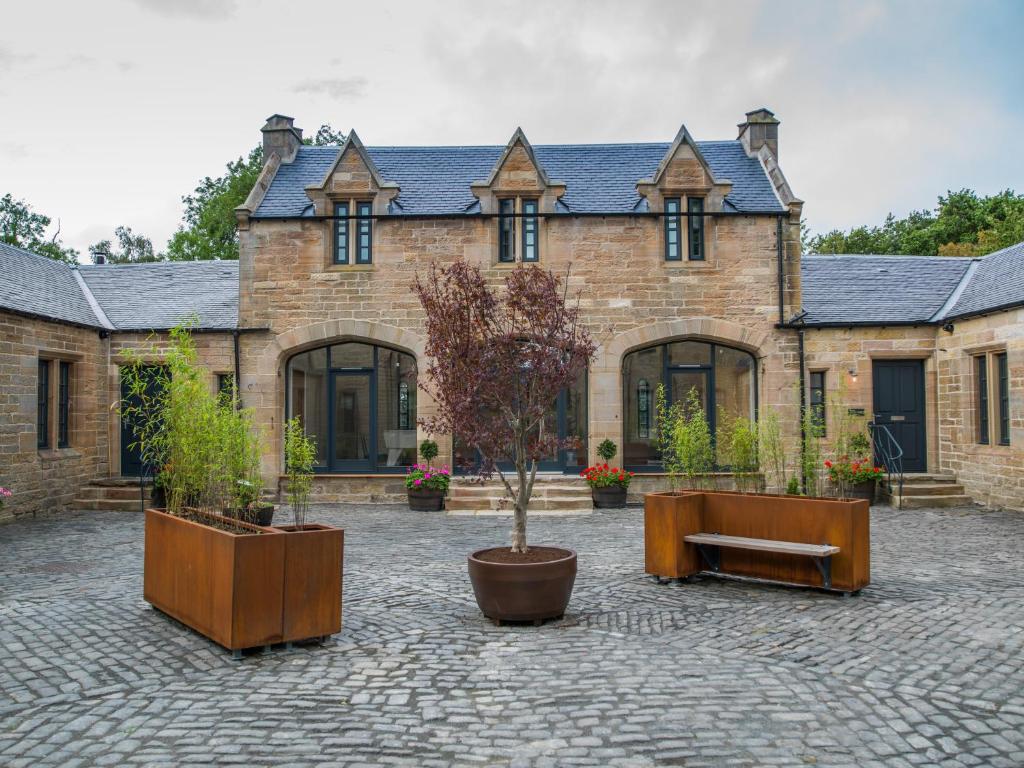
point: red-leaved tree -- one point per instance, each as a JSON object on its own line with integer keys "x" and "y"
{"x": 497, "y": 360}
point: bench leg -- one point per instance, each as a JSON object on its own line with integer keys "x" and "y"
{"x": 711, "y": 555}
{"x": 825, "y": 568}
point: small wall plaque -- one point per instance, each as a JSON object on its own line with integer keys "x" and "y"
{"x": 855, "y": 411}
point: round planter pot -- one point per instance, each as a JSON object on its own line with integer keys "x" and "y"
{"x": 612, "y": 497}
{"x": 522, "y": 591}
{"x": 865, "y": 490}
{"x": 263, "y": 515}
{"x": 425, "y": 500}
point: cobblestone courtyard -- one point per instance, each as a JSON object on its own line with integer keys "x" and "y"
{"x": 925, "y": 667}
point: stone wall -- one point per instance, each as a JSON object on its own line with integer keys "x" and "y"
{"x": 993, "y": 473}
{"x": 630, "y": 297}
{"x": 48, "y": 479}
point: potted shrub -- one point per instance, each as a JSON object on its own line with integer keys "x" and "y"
{"x": 497, "y": 360}
{"x": 426, "y": 487}
{"x": 854, "y": 479}
{"x": 5, "y": 493}
{"x": 608, "y": 485}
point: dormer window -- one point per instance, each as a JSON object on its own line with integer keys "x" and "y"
{"x": 528, "y": 224}
{"x": 696, "y": 211}
{"x": 673, "y": 248}
{"x": 363, "y": 232}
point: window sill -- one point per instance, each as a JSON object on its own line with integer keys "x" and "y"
{"x": 687, "y": 264}
{"x": 56, "y": 454}
{"x": 349, "y": 268}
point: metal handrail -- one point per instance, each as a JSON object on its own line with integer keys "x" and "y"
{"x": 889, "y": 453}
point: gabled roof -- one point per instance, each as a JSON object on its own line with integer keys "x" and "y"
{"x": 518, "y": 137}
{"x": 868, "y": 289}
{"x": 599, "y": 178}
{"x": 37, "y": 285}
{"x": 163, "y": 294}
{"x": 997, "y": 281}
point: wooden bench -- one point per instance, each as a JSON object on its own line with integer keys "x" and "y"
{"x": 708, "y": 545}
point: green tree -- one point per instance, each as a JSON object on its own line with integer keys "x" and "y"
{"x": 132, "y": 248}
{"x": 962, "y": 224}
{"x": 22, "y": 227}
{"x": 209, "y": 229}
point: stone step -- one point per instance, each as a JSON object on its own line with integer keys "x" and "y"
{"x": 550, "y": 491}
{"x": 933, "y": 489}
{"x": 113, "y": 492}
{"x": 109, "y": 505}
{"x": 919, "y": 478}
{"x": 454, "y": 503}
{"x": 508, "y": 513}
{"x": 918, "y": 502}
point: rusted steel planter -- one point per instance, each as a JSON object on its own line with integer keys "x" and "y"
{"x": 522, "y": 591}
{"x": 244, "y": 590}
{"x": 313, "y": 562}
{"x": 669, "y": 517}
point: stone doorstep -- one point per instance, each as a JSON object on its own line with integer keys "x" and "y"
{"x": 919, "y": 502}
{"x": 118, "y": 493}
{"x": 932, "y": 489}
{"x": 532, "y": 512}
{"x": 107, "y": 505}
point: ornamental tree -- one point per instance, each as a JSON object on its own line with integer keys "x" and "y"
{"x": 496, "y": 361}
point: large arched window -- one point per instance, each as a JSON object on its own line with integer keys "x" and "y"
{"x": 358, "y": 401}
{"x": 724, "y": 378}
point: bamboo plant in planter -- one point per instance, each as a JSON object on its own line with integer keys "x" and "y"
{"x": 497, "y": 360}
{"x": 227, "y": 578}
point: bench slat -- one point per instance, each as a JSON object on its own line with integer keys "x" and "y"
{"x": 764, "y": 545}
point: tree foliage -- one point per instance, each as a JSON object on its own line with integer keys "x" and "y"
{"x": 22, "y": 227}
{"x": 209, "y": 230}
{"x": 132, "y": 248}
{"x": 497, "y": 360}
{"x": 963, "y": 224}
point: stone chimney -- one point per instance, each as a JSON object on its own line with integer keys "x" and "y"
{"x": 760, "y": 130}
{"x": 281, "y": 137}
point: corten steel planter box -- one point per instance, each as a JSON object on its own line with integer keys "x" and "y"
{"x": 228, "y": 587}
{"x": 313, "y": 563}
{"x": 243, "y": 590}
{"x": 669, "y": 517}
{"x": 522, "y": 591}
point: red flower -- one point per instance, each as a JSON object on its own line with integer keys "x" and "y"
{"x": 828, "y": 463}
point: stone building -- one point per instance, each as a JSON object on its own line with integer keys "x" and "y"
{"x": 686, "y": 259}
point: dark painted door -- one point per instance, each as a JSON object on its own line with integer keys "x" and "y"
{"x": 131, "y": 458}
{"x": 899, "y": 405}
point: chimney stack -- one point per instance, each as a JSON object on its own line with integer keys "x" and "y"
{"x": 281, "y": 137}
{"x": 761, "y": 129}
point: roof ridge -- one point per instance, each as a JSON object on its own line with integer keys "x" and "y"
{"x": 881, "y": 256}
{"x": 957, "y": 292}
{"x": 90, "y": 299}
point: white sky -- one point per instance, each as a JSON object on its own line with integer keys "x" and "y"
{"x": 114, "y": 109}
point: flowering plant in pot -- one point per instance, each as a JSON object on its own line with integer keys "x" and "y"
{"x": 854, "y": 478}
{"x": 607, "y": 484}
{"x": 5, "y": 493}
{"x": 426, "y": 487}
{"x": 497, "y": 361}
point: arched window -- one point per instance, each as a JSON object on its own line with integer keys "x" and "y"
{"x": 724, "y": 378}
{"x": 358, "y": 401}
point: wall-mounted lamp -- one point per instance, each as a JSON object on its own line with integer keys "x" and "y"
{"x": 853, "y": 375}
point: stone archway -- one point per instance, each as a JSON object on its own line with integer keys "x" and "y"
{"x": 263, "y": 387}
{"x": 606, "y": 370}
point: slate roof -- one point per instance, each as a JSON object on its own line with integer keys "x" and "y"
{"x": 872, "y": 290}
{"x": 37, "y": 285}
{"x": 998, "y": 281}
{"x": 161, "y": 295}
{"x": 599, "y": 178}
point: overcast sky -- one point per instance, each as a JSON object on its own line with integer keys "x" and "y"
{"x": 114, "y": 109}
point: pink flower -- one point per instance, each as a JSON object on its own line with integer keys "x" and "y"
{"x": 427, "y": 476}
{"x": 417, "y": 481}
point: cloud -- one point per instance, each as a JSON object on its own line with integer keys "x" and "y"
{"x": 335, "y": 87}
{"x": 212, "y": 10}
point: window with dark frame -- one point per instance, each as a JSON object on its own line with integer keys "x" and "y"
{"x": 341, "y": 233}
{"x": 1003, "y": 394}
{"x": 643, "y": 409}
{"x": 982, "y": 364}
{"x": 43, "y": 405}
{"x": 673, "y": 248}
{"x": 364, "y": 233}
{"x": 695, "y": 206}
{"x": 226, "y": 384}
{"x": 530, "y": 248}
{"x": 817, "y": 381}
{"x": 63, "y": 404}
{"x": 404, "y": 417}
{"x": 506, "y": 230}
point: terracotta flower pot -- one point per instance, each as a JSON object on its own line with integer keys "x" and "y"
{"x": 425, "y": 500}
{"x": 522, "y": 591}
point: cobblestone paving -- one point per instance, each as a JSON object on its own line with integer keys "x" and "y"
{"x": 925, "y": 667}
